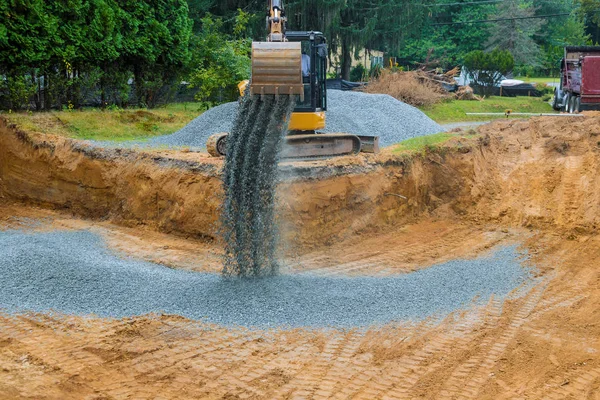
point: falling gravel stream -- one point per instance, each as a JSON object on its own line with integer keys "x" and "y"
{"x": 249, "y": 179}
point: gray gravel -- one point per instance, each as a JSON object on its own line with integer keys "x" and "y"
{"x": 194, "y": 135}
{"x": 349, "y": 112}
{"x": 74, "y": 273}
{"x": 376, "y": 115}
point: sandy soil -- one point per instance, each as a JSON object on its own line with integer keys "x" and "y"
{"x": 544, "y": 345}
{"x": 409, "y": 248}
{"x": 533, "y": 182}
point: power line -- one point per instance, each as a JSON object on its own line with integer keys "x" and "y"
{"x": 462, "y": 4}
{"x": 483, "y": 21}
{"x": 482, "y": 2}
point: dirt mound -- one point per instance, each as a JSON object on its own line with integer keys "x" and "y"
{"x": 407, "y": 87}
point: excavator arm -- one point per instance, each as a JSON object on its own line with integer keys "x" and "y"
{"x": 276, "y": 63}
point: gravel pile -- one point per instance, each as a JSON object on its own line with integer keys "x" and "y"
{"x": 348, "y": 112}
{"x": 376, "y": 115}
{"x": 74, "y": 273}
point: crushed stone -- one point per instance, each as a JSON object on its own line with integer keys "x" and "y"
{"x": 74, "y": 272}
{"x": 357, "y": 113}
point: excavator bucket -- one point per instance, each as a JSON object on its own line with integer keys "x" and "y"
{"x": 277, "y": 69}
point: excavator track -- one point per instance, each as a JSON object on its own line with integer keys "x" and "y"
{"x": 316, "y": 146}
{"x": 300, "y": 147}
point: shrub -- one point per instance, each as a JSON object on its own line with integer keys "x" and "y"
{"x": 544, "y": 89}
{"x": 358, "y": 73}
{"x": 220, "y": 61}
{"x": 487, "y": 69}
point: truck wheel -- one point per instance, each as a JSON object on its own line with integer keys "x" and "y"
{"x": 572, "y": 104}
{"x": 566, "y": 100}
{"x": 555, "y": 101}
{"x": 577, "y": 107}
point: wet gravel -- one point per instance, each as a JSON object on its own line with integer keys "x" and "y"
{"x": 348, "y": 112}
{"x": 73, "y": 272}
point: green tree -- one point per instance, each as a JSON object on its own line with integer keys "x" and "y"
{"x": 449, "y": 43}
{"x": 27, "y": 31}
{"x": 487, "y": 69}
{"x": 351, "y": 25}
{"x": 156, "y": 36}
{"x": 570, "y": 33}
{"x": 58, "y": 52}
{"x": 589, "y": 10}
{"x": 517, "y": 35}
{"x": 220, "y": 60}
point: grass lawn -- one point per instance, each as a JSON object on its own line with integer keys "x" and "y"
{"x": 116, "y": 125}
{"x": 455, "y": 110}
{"x": 419, "y": 144}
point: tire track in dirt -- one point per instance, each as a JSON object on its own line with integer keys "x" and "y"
{"x": 576, "y": 386}
{"x": 245, "y": 380}
{"x": 407, "y": 372}
{"x": 73, "y": 356}
{"x": 302, "y": 383}
{"x": 210, "y": 361}
{"x": 572, "y": 193}
{"x": 338, "y": 371}
{"x": 395, "y": 254}
{"x": 467, "y": 380}
{"x": 395, "y": 379}
{"x": 61, "y": 363}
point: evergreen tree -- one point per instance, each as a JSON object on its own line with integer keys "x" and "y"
{"x": 517, "y": 35}
{"x": 450, "y": 43}
{"x": 590, "y": 12}
{"x": 351, "y": 25}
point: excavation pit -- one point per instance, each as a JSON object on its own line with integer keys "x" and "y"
{"x": 515, "y": 194}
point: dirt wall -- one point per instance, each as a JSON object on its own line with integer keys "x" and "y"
{"x": 317, "y": 205}
{"x": 128, "y": 187}
{"x": 542, "y": 172}
{"x": 538, "y": 172}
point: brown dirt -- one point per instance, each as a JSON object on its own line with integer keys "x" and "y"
{"x": 414, "y": 88}
{"x": 533, "y": 182}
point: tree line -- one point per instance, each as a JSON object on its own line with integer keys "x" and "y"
{"x": 438, "y": 32}
{"x": 53, "y": 52}
{"x": 68, "y": 53}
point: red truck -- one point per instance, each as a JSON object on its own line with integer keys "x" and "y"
{"x": 579, "y": 88}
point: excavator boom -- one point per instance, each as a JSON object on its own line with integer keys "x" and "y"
{"x": 276, "y": 63}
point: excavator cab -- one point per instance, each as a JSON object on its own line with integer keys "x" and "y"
{"x": 309, "y": 114}
{"x": 277, "y": 68}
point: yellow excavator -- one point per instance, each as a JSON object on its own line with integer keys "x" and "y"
{"x": 294, "y": 63}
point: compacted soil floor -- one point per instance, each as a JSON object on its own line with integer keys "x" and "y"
{"x": 541, "y": 343}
